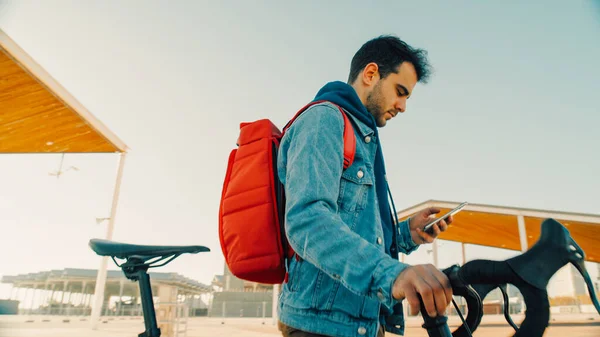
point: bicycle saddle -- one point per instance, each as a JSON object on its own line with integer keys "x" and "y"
{"x": 125, "y": 250}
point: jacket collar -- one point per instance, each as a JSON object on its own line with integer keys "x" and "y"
{"x": 362, "y": 127}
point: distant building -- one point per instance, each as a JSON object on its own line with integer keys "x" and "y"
{"x": 239, "y": 298}
{"x": 568, "y": 283}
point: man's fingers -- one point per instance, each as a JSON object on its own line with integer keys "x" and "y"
{"x": 445, "y": 283}
{"x": 430, "y": 211}
{"x": 438, "y": 294}
{"x": 443, "y": 225}
{"x": 436, "y": 230}
{"x": 449, "y": 219}
{"x": 413, "y": 300}
{"x": 442, "y": 290}
{"x": 427, "y": 296}
{"x": 425, "y": 236}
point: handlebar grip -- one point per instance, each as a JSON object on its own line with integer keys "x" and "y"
{"x": 474, "y": 303}
{"x": 435, "y": 326}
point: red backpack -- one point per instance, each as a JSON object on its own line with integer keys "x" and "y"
{"x": 251, "y": 212}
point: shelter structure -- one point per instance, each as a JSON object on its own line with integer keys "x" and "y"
{"x": 68, "y": 292}
{"x": 511, "y": 228}
{"x": 518, "y": 229}
{"x": 38, "y": 115}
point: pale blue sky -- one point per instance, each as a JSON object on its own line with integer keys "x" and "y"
{"x": 510, "y": 116}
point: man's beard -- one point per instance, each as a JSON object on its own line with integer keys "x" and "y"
{"x": 374, "y": 103}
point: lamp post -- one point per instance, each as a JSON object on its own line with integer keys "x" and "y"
{"x": 101, "y": 278}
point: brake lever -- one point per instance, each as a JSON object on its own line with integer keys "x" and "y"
{"x": 503, "y": 290}
{"x": 577, "y": 258}
{"x": 558, "y": 248}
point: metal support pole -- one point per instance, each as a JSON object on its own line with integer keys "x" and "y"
{"x": 119, "y": 308}
{"x": 435, "y": 253}
{"x": 101, "y": 278}
{"x": 463, "y": 302}
{"x": 82, "y": 298}
{"x": 275, "y": 300}
{"x": 69, "y": 300}
{"x": 524, "y": 245}
{"x": 522, "y": 233}
{"x": 32, "y": 299}
{"x": 49, "y": 311}
{"x": 62, "y": 297}
{"x": 44, "y": 294}
{"x": 22, "y": 305}
{"x": 88, "y": 303}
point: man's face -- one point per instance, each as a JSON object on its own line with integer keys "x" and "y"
{"x": 388, "y": 96}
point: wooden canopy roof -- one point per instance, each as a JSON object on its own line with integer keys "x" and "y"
{"x": 498, "y": 227}
{"x": 37, "y": 115}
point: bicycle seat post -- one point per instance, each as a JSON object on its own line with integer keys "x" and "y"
{"x": 152, "y": 329}
{"x": 137, "y": 270}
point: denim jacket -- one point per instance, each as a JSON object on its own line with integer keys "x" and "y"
{"x": 341, "y": 282}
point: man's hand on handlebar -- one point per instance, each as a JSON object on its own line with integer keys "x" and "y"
{"x": 427, "y": 281}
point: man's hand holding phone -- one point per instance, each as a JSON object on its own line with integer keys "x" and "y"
{"x": 422, "y": 218}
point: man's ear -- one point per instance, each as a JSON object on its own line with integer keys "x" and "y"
{"x": 370, "y": 74}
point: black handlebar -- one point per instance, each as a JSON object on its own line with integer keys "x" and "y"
{"x": 530, "y": 272}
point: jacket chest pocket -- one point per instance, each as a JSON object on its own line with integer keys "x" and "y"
{"x": 357, "y": 180}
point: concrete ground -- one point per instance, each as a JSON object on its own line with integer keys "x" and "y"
{"x": 54, "y": 326}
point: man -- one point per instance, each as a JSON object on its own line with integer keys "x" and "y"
{"x": 346, "y": 279}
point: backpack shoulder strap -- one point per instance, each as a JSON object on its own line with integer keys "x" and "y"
{"x": 349, "y": 137}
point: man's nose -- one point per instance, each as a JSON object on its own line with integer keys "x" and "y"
{"x": 401, "y": 104}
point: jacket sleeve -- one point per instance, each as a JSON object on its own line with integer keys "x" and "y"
{"x": 406, "y": 244}
{"x": 311, "y": 169}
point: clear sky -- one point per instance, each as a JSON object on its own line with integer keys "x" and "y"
{"x": 510, "y": 116}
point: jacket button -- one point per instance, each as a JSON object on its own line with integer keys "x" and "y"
{"x": 367, "y": 139}
{"x": 362, "y": 330}
{"x": 360, "y": 174}
{"x": 379, "y": 240}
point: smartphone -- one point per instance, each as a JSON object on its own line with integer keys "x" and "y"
{"x": 429, "y": 227}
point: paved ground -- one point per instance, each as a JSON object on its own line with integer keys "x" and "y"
{"x": 53, "y": 326}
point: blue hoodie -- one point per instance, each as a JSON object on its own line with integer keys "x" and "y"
{"x": 345, "y": 96}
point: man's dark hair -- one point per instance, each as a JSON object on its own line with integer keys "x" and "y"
{"x": 389, "y": 52}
